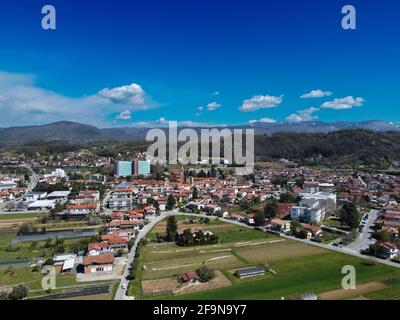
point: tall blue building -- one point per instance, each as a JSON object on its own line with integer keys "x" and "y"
{"x": 144, "y": 167}
{"x": 124, "y": 169}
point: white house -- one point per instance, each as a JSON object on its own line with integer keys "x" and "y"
{"x": 280, "y": 225}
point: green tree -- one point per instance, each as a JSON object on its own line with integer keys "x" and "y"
{"x": 195, "y": 193}
{"x": 205, "y": 273}
{"x": 187, "y": 238}
{"x": 18, "y": 292}
{"x": 349, "y": 215}
{"x": 25, "y": 228}
{"x": 171, "y": 202}
{"x": 157, "y": 206}
{"x": 288, "y": 198}
{"x": 172, "y": 228}
{"x": 295, "y": 226}
{"x": 384, "y": 236}
{"x": 259, "y": 218}
{"x": 271, "y": 209}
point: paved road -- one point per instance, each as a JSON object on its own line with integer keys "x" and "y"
{"x": 121, "y": 293}
{"x": 364, "y": 240}
{"x": 33, "y": 181}
{"x": 34, "y": 178}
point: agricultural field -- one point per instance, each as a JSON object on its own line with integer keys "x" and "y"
{"x": 318, "y": 274}
{"x": 300, "y": 268}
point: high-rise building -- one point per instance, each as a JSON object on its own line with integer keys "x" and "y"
{"x": 144, "y": 167}
{"x": 124, "y": 169}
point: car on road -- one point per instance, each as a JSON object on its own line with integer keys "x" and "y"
{"x": 361, "y": 228}
{"x": 123, "y": 287}
{"x": 338, "y": 244}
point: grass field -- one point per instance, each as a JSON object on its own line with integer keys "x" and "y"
{"x": 12, "y": 216}
{"x": 32, "y": 279}
{"x": 300, "y": 268}
{"x": 391, "y": 293}
{"x": 299, "y": 275}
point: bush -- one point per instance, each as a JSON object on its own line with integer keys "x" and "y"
{"x": 11, "y": 248}
{"x": 205, "y": 273}
{"x": 94, "y": 221}
{"x": 49, "y": 262}
{"x": 18, "y": 293}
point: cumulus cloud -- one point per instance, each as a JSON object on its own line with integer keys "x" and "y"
{"x": 163, "y": 122}
{"x": 26, "y": 103}
{"x": 201, "y": 108}
{"x": 260, "y": 102}
{"x": 213, "y": 106}
{"x": 131, "y": 94}
{"x": 316, "y": 94}
{"x": 263, "y": 120}
{"x": 124, "y": 115}
{"x": 343, "y": 103}
{"x": 216, "y": 93}
{"x": 303, "y": 115}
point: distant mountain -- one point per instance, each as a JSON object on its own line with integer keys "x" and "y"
{"x": 77, "y": 132}
{"x": 125, "y": 133}
{"x": 63, "y": 130}
{"x": 319, "y": 126}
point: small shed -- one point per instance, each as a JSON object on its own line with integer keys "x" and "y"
{"x": 251, "y": 272}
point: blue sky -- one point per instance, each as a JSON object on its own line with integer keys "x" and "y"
{"x": 139, "y": 63}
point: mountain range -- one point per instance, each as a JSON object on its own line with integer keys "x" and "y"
{"x": 77, "y": 132}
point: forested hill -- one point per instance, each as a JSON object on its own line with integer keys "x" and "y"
{"x": 350, "y": 147}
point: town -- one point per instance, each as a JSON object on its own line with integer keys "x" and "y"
{"x": 124, "y": 228}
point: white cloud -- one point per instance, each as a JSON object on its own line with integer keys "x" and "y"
{"x": 201, "y": 108}
{"x": 131, "y": 94}
{"x": 216, "y": 93}
{"x": 124, "y": 115}
{"x": 303, "y": 115}
{"x": 263, "y": 120}
{"x": 26, "y": 104}
{"x": 163, "y": 122}
{"x": 316, "y": 94}
{"x": 213, "y": 106}
{"x": 260, "y": 102}
{"x": 343, "y": 103}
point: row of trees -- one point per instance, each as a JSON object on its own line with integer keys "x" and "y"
{"x": 188, "y": 239}
{"x": 135, "y": 264}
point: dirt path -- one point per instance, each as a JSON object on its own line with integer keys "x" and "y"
{"x": 342, "y": 294}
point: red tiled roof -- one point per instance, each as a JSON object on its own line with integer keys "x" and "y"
{"x": 187, "y": 276}
{"x": 107, "y": 258}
